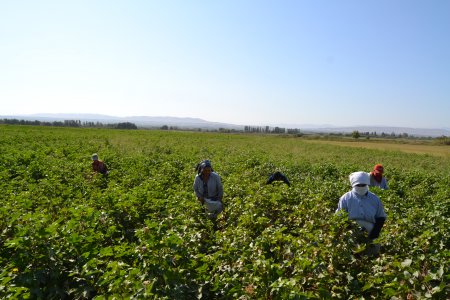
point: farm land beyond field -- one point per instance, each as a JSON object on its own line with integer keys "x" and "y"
{"x": 66, "y": 233}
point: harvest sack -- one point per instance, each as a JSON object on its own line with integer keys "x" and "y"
{"x": 213, "y": 208}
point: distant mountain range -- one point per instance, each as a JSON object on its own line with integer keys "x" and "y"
{"x": 140, "y": 121}
{"x": 196, "y": 123}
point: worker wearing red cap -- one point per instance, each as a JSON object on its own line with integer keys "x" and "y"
{"x": 376, "y": 177}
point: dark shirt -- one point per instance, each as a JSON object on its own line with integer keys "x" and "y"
{"x": 99, "y": 166}
{"x": 278, "y": 176}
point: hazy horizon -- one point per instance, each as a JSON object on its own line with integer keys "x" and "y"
{"x": 346, "y": 63}
{"x": 172, "y": 120}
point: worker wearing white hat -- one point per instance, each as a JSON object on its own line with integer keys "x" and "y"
{"x": 363, "y": 206}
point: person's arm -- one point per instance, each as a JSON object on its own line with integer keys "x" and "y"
{"x": 197, "y": 185}
{"x": 384, "y": 185}
{"x": 219, "y": 188}
{"x": 286, "y": 180}
{"x": 380, "y": 210}
{"x": 375, "y": 232}
{"x": 103, "y": 168}
{"x": 342, "y": 205}
{"x": 380, "y": 218}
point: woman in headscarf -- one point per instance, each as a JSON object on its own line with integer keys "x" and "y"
{"x": 364, "y": 207}
{"x": 377, "y": 178}
{"x": 208, "y": 189}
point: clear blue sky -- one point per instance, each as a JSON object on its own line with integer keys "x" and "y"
{"x": 342, "y": 63}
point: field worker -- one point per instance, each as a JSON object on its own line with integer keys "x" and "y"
{"x": 208, "y": 189}
{"x": 98, "y": 165}
{"x": 363, "y": 206}
{"x": 278, "y": 176}
{"x": 377, "y": 178}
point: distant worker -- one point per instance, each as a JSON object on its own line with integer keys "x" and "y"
{"x": 208, "y": 189}
{"x": 376, "y": 177}
{"x": 364, "y": 207}
{"x": 98, "y": 165}
{"x": 278, "y": 176}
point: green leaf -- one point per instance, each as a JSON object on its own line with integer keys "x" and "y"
{"x": 367, "y": 286}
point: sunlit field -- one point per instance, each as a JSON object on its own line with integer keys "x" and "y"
{"x": 438, "y": 150}
{"x": 66, "y": 233}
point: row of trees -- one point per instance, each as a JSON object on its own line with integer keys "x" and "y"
{"x": 69, "y": 123}
{"x": 268, "y": 129}
{"x": 356, "y": 134}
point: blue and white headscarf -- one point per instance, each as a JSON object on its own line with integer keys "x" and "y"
{"x": 202, "y": 165}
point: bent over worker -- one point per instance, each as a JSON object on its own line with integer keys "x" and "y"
{"x": 98, "y": 165}
{"x": 208, "y": 189}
